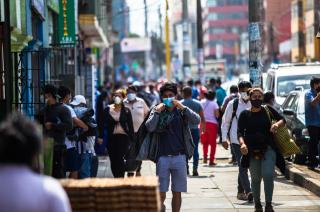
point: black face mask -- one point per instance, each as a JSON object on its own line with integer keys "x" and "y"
{"x": 318, "y": 89}
{"x": 256, "y": 103}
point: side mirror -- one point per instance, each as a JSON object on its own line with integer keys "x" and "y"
{"x": 289, "y": 112}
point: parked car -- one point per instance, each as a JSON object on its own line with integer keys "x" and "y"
{"x": 284, "y": 78}
{"x": 293, "y": 110}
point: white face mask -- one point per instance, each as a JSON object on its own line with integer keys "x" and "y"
{"x": 244, "y": 95}
{"x": 131, "y": 96}
{"x": 117, "y": 100}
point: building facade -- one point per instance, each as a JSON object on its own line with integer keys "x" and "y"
{"x": 224, "y": 21}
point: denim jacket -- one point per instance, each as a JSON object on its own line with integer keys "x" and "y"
{"x": 187, "y": 116}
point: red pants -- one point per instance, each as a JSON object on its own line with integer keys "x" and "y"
{"x": 209, "y": 138}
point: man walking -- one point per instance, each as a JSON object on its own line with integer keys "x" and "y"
{"x": 196, "y": 107}
{"x": 71, "y": 159}
{"x": 312, "y": 105}
{"x": 229, "y": 132}
{"x": 57, "y": 122}
{"x": 169, "y": 121}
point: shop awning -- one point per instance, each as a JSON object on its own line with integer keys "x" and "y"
{"x": 94, "y": 35}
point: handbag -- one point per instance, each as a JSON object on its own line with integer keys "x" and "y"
{"x": 282, "y": 138}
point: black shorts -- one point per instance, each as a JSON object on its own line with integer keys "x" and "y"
{"x": 72, "y": 162}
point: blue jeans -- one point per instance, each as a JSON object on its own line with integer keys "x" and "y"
{"x": 196, "y": 137}
{"x": 263, "y": 169}
{"x": 85, "y": 167}
{"x": 243, "y": 178}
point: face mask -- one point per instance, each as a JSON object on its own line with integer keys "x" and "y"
{"x": 168, "y": 101}
{"x": 244, "y": 95}
{"x": 256, "y": 103}
{"x": 131, "y": 96}
{"x": 117, "y": 100}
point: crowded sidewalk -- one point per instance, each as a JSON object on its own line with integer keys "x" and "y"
{"x": 215, "y": 188}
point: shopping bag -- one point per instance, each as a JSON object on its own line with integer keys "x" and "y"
{"x": 283, "y": 140}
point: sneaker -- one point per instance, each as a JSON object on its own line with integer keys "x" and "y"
{"x": 250, "y": 197}
{"x": 242, "y": 196}
{"x": 195, "y": 173}
{"x": 205, "y": 160}
{"x": 212, "y": 164}
{"x": 258, "y": 207}
{"x": 268, "y": 207}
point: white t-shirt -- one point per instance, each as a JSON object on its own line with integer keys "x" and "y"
{"x": 209, "y": 108}
{"x": 139, "y": 110}
{"x": 23, "y": 190}
{"x": 68, "y": 143}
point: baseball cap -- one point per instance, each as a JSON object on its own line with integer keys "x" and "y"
{"x": 78, "y": 99}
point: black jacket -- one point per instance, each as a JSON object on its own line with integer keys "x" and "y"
{"x": 125, "y": 121}
{"x": 60, "y": 116}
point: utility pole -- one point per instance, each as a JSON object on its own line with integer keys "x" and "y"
{"x": 7, "y": 58}
{"x": 160, "y": 37}
{"x": 147, "y": 53}
{"x": 255, "y": 42}
{"x": 186, "y": 38}
{"x": 168, "y": 57}
{"x": 200, "y": 43}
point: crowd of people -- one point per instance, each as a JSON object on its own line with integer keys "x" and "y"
{"x": 160, "y": 122}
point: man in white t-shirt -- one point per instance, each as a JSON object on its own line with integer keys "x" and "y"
{"x": 72, "y": 163}
{"x": 21, "y": 188}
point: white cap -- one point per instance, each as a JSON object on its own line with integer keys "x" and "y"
{"x": 78, "y": 99}
{"x": 137, "y": 83}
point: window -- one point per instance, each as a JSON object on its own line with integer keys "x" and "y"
{"x": 289, "y": 102}
{"x": 286, "y": 84}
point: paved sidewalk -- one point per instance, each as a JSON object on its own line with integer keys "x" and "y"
{"x": 215, "y": 189}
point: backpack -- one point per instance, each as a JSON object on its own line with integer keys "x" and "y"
{"x": 234, "y": 113}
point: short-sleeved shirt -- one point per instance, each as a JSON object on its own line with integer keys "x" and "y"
{"x": 171, "y": 140}
{"x": 209, "y": 108}
{"x": 312, "y": 113}
{"x": 139, "y": 110}
{"x": 68, "y": 143}
{"x": 221, "y": 94}
{"x": 195, "y": 106}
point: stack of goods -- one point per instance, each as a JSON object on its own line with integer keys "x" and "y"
{"x": 121, "y": 195}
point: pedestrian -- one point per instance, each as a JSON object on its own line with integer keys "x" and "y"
{"x": 57, "y": 122}
{"x": 234, "y": 93}
{"x": 120, "y": 131}
{"x": 229, "y": 134}
{"x": 169, "y": 122}
{"x": 139, "y": 110}
{"x": 221, "y": 95}
{"x": 195, "y": 92}
{"x": 196, "y": 107}
{"x": 86, "y": 138}
{"x": 71, "y": 159}
{"x": 312, "y": 116}
{"x": 269, "y": 100}
{"x": 209, "y": 137}
{"x": 154, "y": 94}
{"x": 255, "y": 133}
{"x": 202, "y": 90}
{"x": 21, "y": 188}
{"x": 101, "y": 104}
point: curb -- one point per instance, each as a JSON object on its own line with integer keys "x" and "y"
{"x": 302, "y": 179}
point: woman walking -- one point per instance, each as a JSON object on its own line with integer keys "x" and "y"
{"x": 256, "y": 140}
{"x": 208, "y": 138}
{"x": 119, "y": 127}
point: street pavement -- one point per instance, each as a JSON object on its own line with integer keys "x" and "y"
{"x": 216, "y": 189}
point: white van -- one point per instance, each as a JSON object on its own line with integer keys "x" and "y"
{"x": 284, "y": 78}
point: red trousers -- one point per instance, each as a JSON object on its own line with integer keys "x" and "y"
{"x": 209, "y": 139}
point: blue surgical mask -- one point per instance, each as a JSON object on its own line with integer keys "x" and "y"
{"x": 168, "y": 101}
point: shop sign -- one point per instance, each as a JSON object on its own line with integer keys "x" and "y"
{"x": 67, "y": 23}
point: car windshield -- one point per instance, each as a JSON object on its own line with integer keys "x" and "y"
{"x": 286, "y": 84}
